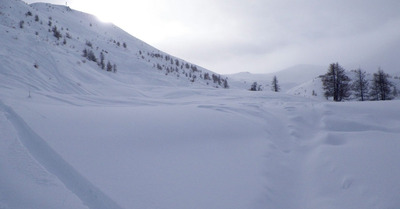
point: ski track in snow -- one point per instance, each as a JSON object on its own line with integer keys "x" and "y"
{"x": 54, "y": 163}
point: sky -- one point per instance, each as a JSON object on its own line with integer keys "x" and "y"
{"x": 260, "y": 36}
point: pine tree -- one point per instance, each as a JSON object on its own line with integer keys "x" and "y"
{"x": 381, "y": 86}
{"x": 361, "y": 85}
{"x": 56, "y": 33}
{"x": 225, "y": 83}
{"x": 254, "y": 87}
{"x": 114, "y": 68}
{"x": 102, "y": 65}
{"x": 274, "y": 85}
{"x": 85, "y": 53}
{"x": 109, "y": 66}
{"x": 336, "y": 83}
{"x": 89, "y": 55}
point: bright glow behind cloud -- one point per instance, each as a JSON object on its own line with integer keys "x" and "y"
{"x": 259, "y": 35}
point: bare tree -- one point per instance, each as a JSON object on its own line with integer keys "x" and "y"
{"x": 381, "y": 86}
{"x": 336, "y": 83}
{"x": 361, "y": 85}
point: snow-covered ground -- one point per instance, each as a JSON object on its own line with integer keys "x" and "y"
{"x": 197, "y": 148}
{"x": 75, "y": 136}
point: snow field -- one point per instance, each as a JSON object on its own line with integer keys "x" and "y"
{"x": 166, "y": 155}
{"x": 182, "y": 148}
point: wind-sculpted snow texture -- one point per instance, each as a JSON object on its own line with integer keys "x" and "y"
{"x": 75, "y": 136}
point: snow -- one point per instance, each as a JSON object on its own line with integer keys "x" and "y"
{"x": 25, "y": 183}
{"x": 74, "y": 136}
{"x": 221, "y": 148}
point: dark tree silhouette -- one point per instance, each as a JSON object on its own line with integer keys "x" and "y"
{"x": 84, "y": 53}
{"x": 336, "y": 83}
{"x": 109, "y": 66}
{"x": 225, "y": 83}
{"x": 381, "y": 86}
{"x": 360, "y": 85}
{"x": 255, "y": 87}
{"x": 89, "y": 55}
{"x": 56, "y": 33}
{"x": 102, "y": 64}
{"x": 274, "y": 85}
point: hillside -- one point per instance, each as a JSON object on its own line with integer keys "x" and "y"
{"x": 73, "y": 135}
{"x": 51, "y": 40}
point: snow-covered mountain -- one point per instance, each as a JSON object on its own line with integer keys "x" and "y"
{"x": 73, "y": 135}
{"x": 287, "y": 78}
{"x": 51, "y": 40}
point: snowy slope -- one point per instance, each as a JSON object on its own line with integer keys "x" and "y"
{"x": 75, "y": 136}
{"x": 57, "y": 64}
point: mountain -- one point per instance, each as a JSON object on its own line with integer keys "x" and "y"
{"x": 73, "y": 135}
{"x": 52, "y": 40}
{"x": 300, "y": 80}
{"x": 287, "y": 78}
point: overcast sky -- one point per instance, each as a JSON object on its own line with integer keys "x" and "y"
{"x": 260, "y": 36}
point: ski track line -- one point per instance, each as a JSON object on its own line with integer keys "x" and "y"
{"x": 90, "y": 195}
